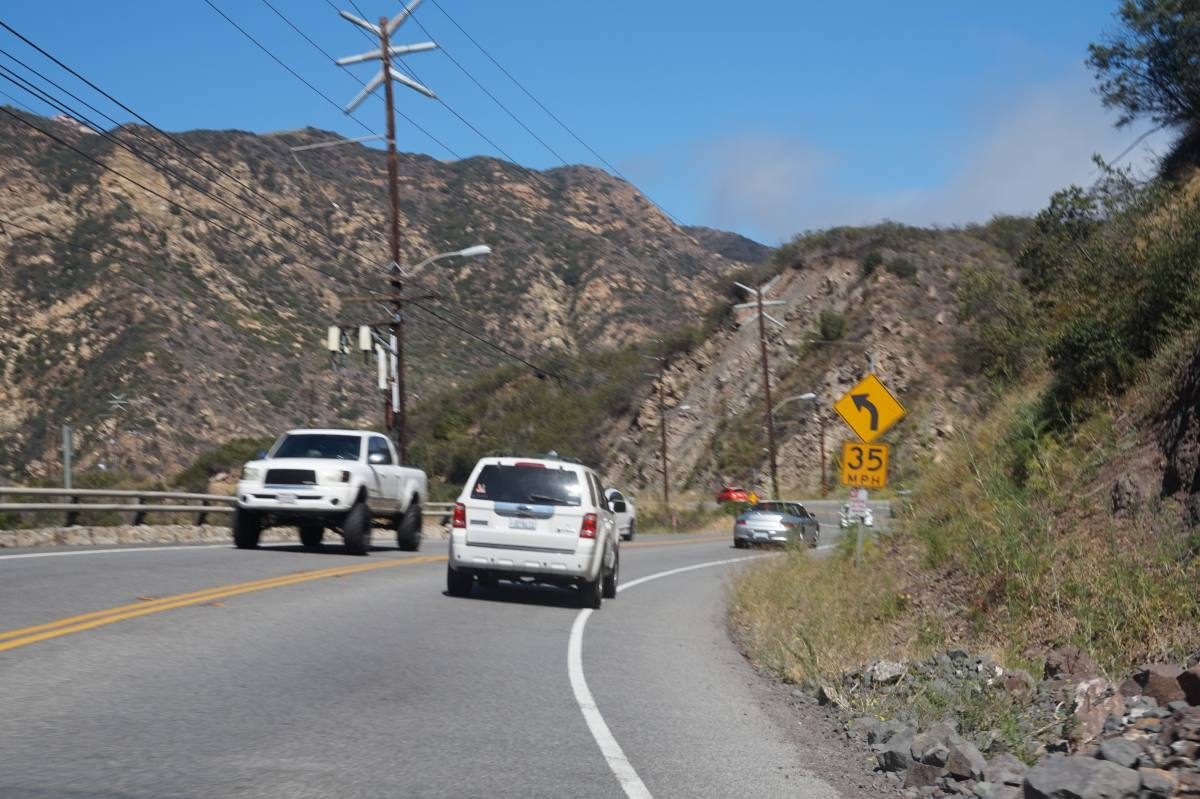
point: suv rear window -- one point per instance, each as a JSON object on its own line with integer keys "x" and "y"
{"x": 527, "y": 484}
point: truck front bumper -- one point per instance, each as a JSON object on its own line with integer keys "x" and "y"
{"x": 302, "y": 500}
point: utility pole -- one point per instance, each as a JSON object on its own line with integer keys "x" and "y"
{"x": 399, "y": 427}
{"x": 662, "y": 428}
{"x": 763, "y": 317}
{"x": 398, "y": 415}
{"x": 68, "y": 450}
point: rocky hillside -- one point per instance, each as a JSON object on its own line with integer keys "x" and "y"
{"x": 208, "y": 311}
{"x": 891, "y": 295}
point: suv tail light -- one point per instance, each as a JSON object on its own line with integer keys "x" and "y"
{"x": 588, "y": 528}
{"x": 460, "y": 516}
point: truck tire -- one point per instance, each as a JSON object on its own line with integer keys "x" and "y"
{"x": 610, "y": 579}
{"x": 408, "y": 528}
{"x": 814, "y": 538}
{"x": 458, "y": 583}
{"x": 591, "y": 592}
{"x": 356, "y": 529}
{"x": 247, "y": 528}
{"x": 311, "y": 534}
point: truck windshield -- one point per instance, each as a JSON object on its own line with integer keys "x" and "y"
{"x": 318, "y": 445}
{"x": 527, "y": 484}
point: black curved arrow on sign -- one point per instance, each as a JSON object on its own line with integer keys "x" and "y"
{"x": 863, "y": 402}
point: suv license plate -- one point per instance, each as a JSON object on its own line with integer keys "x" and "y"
{"x": 286, "y": 499}
{"x": 522, "y": 524}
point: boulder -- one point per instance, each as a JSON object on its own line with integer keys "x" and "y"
{"x": 1156, "y": 783}
{"x": 931, "y": 749}
{"x": 920, "y": 775}
{"x": 1121, "y": 751}
{"x": 896, "y": 754}
{"x": 965, "y": 762}
{"x": 1189, "y": 683}
{"x": 1005, "y": 769}
{"x": 1161, "y": 681}
{"x": 1069, "y": 662}
{"x": 885, "y": 672}
{"x": 883, "y": 732}
{"x": 1081, "y": 778}
{"x": 1095, "y": 700}
{"x": 1019, "y": 683}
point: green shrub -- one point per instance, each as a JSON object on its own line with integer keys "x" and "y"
{"x": 831, "y": 325}
{"x": 999, "y": 334}
{"x": 224, "y": 458}
{"x": 902, "y": 268}
{"x": 872, "y": 261}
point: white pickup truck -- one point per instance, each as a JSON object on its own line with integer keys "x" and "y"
{"x": 339, "y": 479}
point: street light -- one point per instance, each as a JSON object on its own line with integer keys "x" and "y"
{"x": 469, "y": 252}
{"x": 809, "y": 396}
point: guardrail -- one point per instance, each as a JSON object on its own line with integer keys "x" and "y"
{"x": 141, "y": 503}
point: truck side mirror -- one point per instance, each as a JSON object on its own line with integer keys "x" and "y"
{"x": 260, "y": 455}
{"x": 376, "y": 458}
{"x": 618, "y": 506}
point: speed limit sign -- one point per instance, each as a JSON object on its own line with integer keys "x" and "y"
{"x": 864, "y": 465}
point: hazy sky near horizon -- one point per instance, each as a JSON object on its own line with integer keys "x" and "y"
{"x": 765, "y": 117}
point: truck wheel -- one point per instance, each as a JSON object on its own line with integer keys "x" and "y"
{"x": 610, "y": 579}
{"x": 408, "y": 528}
{"x": 591, "y": 592}
{"x": 458, "y": 583}
{"x": 814, "y": 538}
{"x": 356, "y": 529}
{"x": 311, "y": 534}
{"x": 247, "y": 528}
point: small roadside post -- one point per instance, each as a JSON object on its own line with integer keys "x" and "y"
{"x": 858, "y": 509}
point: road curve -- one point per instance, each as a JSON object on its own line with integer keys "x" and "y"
{"x": 375, "y": 683}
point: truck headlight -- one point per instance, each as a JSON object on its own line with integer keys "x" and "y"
{"x": 335, "y": 476}
{"x": 251, "y": 472}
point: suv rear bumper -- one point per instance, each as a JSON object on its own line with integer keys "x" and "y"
{"x": 555, "y": 567}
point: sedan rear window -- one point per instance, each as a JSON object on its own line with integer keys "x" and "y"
{"x": 770, "y": 507}
{"x": 319, "y": 445}
{"x": 527, "y": 484}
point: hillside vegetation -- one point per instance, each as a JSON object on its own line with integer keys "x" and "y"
{"x": 207, "y": 309}
{"x": 1069, "y": 514}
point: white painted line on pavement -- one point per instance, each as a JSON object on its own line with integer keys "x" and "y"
{"x": 112, "y": 551}
{"x": 631, "y": 783}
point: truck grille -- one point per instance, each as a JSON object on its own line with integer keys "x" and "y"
{"x": 291, "y": 477}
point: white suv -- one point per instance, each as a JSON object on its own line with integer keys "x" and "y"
{"x": 534, "y": 520}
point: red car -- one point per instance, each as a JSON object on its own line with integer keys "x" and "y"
{"x": 733, "y": 494}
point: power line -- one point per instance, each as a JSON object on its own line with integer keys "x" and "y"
{"x": 160, "y": 196}
{"x": 488, "y": 342}
{"x": 34, "y": 90}
{"x": 325, "y": 53}
{"x": 173, "y": 139}
{"x": 495, "y": 99}
{"x": 439, "y": 98}
{"x": 548, "y": 112}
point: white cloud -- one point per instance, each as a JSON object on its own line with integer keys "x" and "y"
{"x": 1020, "y": 150}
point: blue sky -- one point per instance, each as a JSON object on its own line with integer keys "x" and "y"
{"x": 762, "y": 116}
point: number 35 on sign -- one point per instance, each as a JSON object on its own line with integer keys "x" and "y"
{"x": 864, "y": 465}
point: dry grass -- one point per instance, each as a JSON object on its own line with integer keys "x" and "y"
{"x": 1009, "y": 548}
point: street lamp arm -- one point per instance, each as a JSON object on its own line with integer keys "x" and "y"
{"x": 469, "y": 252}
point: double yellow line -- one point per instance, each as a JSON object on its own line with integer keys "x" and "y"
{"x": 24, "y": 636}
{"x": 12, "y": 639}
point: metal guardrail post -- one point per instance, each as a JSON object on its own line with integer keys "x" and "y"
{"x": 139, "y": 516}
{"x": 72, "y": 516}
{"x": 202, "y": 516}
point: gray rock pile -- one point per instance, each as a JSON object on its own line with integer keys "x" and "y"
{"x": 1070, "y": 735}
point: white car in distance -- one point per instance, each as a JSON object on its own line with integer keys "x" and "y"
{"x": 344, "y": 480}
{"x": 534, "y": 520}
{"x": 624, "y": 512}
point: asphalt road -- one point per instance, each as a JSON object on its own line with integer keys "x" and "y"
{"x": 370, "y": 681}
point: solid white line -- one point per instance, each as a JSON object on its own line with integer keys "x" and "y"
{"x": 631, "y": 783}
{"x": 167, "y": 548}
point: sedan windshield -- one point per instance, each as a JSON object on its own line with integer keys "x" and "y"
{"x": 318, "y": 445}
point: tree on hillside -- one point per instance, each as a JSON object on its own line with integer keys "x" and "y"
{"x": 1151, "y": 67}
